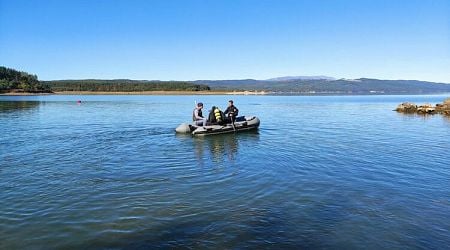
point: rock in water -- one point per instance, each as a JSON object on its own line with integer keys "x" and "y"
{"x": 407, "y": 107}
{"x": 440, "y": 108}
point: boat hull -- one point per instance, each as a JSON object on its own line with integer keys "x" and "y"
{"x": 242, "y": 124}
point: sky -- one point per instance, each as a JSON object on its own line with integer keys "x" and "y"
{"x": 226, "y": 39}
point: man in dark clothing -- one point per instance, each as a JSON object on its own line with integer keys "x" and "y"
{"x": 231, "y": 112}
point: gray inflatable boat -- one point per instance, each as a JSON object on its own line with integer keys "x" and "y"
{"x": 242, "y": 123}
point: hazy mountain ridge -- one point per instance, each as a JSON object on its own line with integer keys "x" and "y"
{"x": 299, "y": 86}
{"x": 339, "y": 86}
{"x": 291, "y": 78}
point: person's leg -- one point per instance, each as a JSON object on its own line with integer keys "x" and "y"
{"x": 201, "y": 122}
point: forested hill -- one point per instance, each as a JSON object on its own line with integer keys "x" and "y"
{"x": 12, "y": 80}
{"x": 16, "y": 81}
{"x": 124, "y": 85}
{"x": 326, "y": 86}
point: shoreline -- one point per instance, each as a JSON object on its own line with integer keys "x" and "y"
{"x": 214, "y": 92}
{"x": 23, "y": 94}
{"x": 138, "y": 93}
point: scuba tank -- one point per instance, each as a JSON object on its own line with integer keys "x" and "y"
{"x": 218, "y": 114}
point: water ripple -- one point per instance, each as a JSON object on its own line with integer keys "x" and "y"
{"x": 113, "y": 174}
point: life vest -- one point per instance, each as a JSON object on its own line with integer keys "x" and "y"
{"x": 200, "y": 114}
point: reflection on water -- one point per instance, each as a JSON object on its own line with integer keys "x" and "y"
{"x": 423, "y": 117}
{"x": 446, "y": 118}
{"x": 224, "y": 148}
{"x": 6, "y": 106}
{"x": 219, "y": 148}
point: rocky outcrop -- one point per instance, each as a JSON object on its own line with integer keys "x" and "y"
{"x": 407, "y": 107}
{"x": 440, "y": 108}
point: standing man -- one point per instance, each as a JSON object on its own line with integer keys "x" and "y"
{"x": 231, "y": 112}
{"x": 197, "y": 115}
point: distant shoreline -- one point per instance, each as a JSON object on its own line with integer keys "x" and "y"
{"x": 23, "y": 94}
{"x": 137, "y": 93}
{"x": 211, "y": 92}
{"x": 220, "y": 92}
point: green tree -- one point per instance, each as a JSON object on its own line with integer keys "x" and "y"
{"x": 13, "y": 80}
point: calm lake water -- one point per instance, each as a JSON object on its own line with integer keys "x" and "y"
{"x": 322, "y": 172}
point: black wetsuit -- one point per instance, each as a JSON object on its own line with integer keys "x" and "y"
{"x": 232, "y": 112}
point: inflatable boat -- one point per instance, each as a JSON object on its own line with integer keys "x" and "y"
{"x": 242, "y": 123}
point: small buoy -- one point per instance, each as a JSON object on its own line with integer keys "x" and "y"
{"x": 79, "y": 101}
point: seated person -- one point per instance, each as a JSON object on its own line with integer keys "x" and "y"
{"x": 231, "y": 112}
{"x": 216, "y": 116}
{"x": 197, "y": 115}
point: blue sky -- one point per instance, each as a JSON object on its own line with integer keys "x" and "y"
{"x": 226, "y": 39}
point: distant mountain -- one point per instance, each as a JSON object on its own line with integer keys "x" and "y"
{"x": 324, "y": 86}
{"x": 16, "y": 81}
{"x": 290, "y": 78}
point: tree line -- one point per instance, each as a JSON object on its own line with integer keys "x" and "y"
{"x": 124, "y": 85}
{"x": 12, "y": 80}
